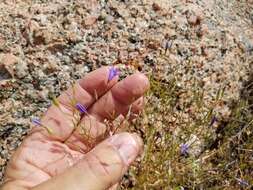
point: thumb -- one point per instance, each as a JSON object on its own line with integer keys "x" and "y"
{"x": 101, "y": 168}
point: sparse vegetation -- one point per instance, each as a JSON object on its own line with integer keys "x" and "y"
{"x": 225, "y": 158}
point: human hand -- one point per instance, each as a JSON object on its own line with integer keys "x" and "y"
{"x": 70, "y": 158}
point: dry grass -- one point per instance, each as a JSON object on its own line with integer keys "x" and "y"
{"x": 225, "y": 158}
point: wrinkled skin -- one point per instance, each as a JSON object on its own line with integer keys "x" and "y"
{"x": 42, "y": 155}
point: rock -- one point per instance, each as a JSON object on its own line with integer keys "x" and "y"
{"x": 2, "y": 162}
{"x": 124, "y": 13}
{"x": 204, "y": 51}
{"x": 21, "y": 69}
{"x": 156, "y": 7}
{"x": 194, "y": 15}
{"x": 4, "y": 73}
{"x": 52, "y": 64}
{"x": 86, "y": 69}
{"x": 246, "y": 43}
{"x": 35, "y": 34}
{"x": 193, "y": 19}
{"x": 90, "y": 20}
{"x": 42, "y": 19}
{"x": 149, "y": 60}
{"x": 134, "y": 39}
{"x": 41, "y": 37}
{"x": 73, "y": 37}
{"x": 30, "y": 27}
{"x": 43, "y": 94}
{"x": 7, "y": 62}
{"x": 102, "y": 15}
{"x": 2, "y": 43}
{"x": 80, "y": 11}
{"x": 202, "y": 30}
{"x": 109, "y": 19}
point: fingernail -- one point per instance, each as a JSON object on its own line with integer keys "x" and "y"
{"x": 127, "y": 146}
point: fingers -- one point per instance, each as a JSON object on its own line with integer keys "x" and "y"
{"x": 91, "y": 131}
{"x": 97, "y": 83}
{"x": 87, "y": 134}
{"x": 88, "y": 89}
{"x": 125, "y": 98}
{"x": 101, "y": 168}
{"x": 60, "y": 118}
{"x": 121, "y": 96}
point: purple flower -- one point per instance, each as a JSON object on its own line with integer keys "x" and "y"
{"x": 213, "y": 120}
{"x": 112, "y": 73}
{"x": 242, "y": 182}
{"x": 36, "y": 122}
{"x": 184, "y": 149}
{"x": 81, "y": 108}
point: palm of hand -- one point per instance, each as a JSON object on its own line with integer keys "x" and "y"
{"x": 43, "y": 156}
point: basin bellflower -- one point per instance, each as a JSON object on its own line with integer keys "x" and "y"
{"x": 81, "y": 108}
{"x": 184, "y": 149}
{"x": 213, "y": 120}
{"x": 39, "y": 124}
{"x": 113, "y": 72}
{"x": 36, "y": 122}
{"x": 242, "y": 182}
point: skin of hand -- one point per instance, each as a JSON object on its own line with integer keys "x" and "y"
{"x": 65, "y": 160}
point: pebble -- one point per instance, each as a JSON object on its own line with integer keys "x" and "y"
{"x": 43, "y": 94}
{"x": 7, "y": 63}
{"x": 2, "y": 162}
{"x": 2, "y": 43}
{"x": 90, "y": 20}
{"x": 156, "y": 7}
{"x": 21, "y": 69}
{"x": 193, "y": 20}
{"x": 194, "y": 15}
{"x": 109, "y": 19}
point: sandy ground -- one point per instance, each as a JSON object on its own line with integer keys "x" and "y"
{"x": 45, "y": 45}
